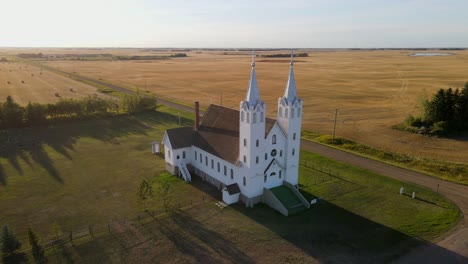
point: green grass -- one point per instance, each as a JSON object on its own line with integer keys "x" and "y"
{"x": 456, "y": 172}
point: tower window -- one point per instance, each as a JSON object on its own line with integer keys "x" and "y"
{"x": 244, "y": 181}
{"x": 294, "y": 136}
{"x": 254, "y": 118}
{"x": 178, "y": 157}
{"x": 232, "y": 174}
{"x": 292, "y": 112}
{"x": 264, "y": 178}
{"x": 299, "y": 112}
{"x": 256, "y": 160}
{"x": 273, "y": 140}
{"x": 257, "y": 143}
{"x": 285, "y": 112}
{"x": 262, "y": 117}
{"x": 293, "y": 151}
{"x": 242, "y": 116}
{"x": 281, "y": 153}
{"x": 248, "y": 117}
{"x": 245, "y": 142}
{"x": 245, "y": 159}
{"x": 280, "y": 112}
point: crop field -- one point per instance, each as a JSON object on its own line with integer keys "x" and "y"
{"x": 372, "y": 90}
{"x": 27, "y": 83}
{"x": 71, "y": 176}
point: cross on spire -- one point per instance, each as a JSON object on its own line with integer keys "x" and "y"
{"x": 253, "y": 95}
{"x": 290, "y": 92}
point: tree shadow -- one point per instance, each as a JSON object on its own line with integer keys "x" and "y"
{"x": 22, "y": 146}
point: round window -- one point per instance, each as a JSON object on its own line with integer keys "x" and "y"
{"x": 273, "y": 153}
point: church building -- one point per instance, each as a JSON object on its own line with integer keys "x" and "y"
{"x": 250, "y": 158}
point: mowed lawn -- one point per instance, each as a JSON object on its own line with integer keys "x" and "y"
{"x": 73, "y": 175}
{"x": 27, "y": 83}
{"x": 373, "y": 90}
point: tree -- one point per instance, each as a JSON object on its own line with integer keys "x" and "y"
{"x": 165, "y": 190}
{"x": 10, "y": 246}
{"x": 36, "y": 249}
{"x": 35, "y": 114}
{"x": 12, "y": 113}
{"x": 145, "y": 191}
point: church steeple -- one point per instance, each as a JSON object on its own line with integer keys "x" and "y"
{"x": 290, "y": 93}
{"x": 253, "y": 96}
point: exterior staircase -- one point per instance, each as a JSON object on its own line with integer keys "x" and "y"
{"x": 184, "y": 172}
{"x": 288, "y": 199}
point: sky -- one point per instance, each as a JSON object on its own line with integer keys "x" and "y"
{"x": 234, "y": 23}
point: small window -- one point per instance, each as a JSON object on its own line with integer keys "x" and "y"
{"x": 219, "y": 167}
{"x": 293, "y": 151}
{"x": 212, "y": 163}
{"x": 280, "y": 174}
{"x": 257, "y": 142}
{"x": 178, "y": 157}
{"x": 201, "y": 158}
{"x": 262, "y": 117}
{"x": 225, "y": 170}
{"x": 292, "y": 112}
{"x": 298, "y": 112}
{"x": 256, "y": 160}
{"x": 245, "y": 159}
{"x": 273, "y": 140}
{"x": 281, "y": 153}
{"x": 266, "y": 156}
{"x": 254, "y": 118}
{"x": 244, "y": 181}
{"x": 264, "y": 178}
{"x": 285, "y": 112}
{"x": 206, "y": 161}
{"x": 294, "y": 136}
{"x": 242, "y": 116}
{"x": 272, "y": 174}
{"x": 280, "y": 112}
{"x": 195, "y": 155}
{"x": 248, "y": 117}
{"x": 232, "y": 174}
{"x": 169, "y": 153}
{"x": 245, "y": 142}
{"x": 183, "y": 154}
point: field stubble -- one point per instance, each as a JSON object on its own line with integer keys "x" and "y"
{"x": 373, "y": 90}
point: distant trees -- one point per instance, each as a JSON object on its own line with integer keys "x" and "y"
{"x": 446, "y": 112}
{"x": 13, "y": 115}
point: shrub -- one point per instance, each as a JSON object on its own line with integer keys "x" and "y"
{"x": 440, "y": 128}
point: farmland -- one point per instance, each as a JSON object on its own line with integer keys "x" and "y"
{"x": 27, "y": 83}
{"x": 372, "y": 90}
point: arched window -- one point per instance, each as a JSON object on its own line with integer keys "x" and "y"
{"x": 256, "y": 159}
{"x": 280, "y": 112}
{"x": 281, "y": 153}
{"x": 292, "y": 112}
{"x": 225, "y": 170}
{"x": 248, "y": 117}
{"x": 285, "y": 112}
{"x": 254, "y": 118}
{"x": 264, "y": 178}
{"x": 294, "y": 136}
{"x": 262, "y": 117}
{"x": 178, "y": 157}
{"x": 266, "y": 156}
{"x": 273, "y": 174}
{"x": 244, "y": 181}
{"x": 245, "y": 142}
{"x": 299, "y": 112}
{"x": 206, "y": 161}
{"x": 257, "y": 143}
{"x": 242, "y": 116}
{"x": 245, "y": 159}
{"x": 232, "y": 174}
{"x": 293, "y": 151}
{"x": 219, "y": 167}
{"x": 273, "y": 140}
{"x": 169, "y": 153}
{"x": 280, "y": 174}
{"x": 201, "y": 158}
{"x": 195, "y": 155}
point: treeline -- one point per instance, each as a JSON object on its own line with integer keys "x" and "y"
{"x": 445, "y": 113}
{"x": 285, "y": 55}
{"x": 30, "y": 55}
{"x": 12, "y": 115}
{"x": 149, "y": 57}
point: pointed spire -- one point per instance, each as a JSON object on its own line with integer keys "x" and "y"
{"x": 290, "y": 93}
{"x": 253, "y": 96}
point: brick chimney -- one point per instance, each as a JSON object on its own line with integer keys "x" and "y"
{"x": 197, "y": 116}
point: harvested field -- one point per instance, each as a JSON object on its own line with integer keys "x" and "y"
{"x": 373, "y": 90}
{"x": 26, "y": 83}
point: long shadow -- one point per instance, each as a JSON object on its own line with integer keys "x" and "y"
{"x": 21, "y": 146}
{"x": 331, "y": 234}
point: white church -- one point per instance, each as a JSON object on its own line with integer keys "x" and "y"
{"x": 250, "y": 158}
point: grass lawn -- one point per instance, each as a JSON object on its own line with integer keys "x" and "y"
{"x": 84, "y": 173}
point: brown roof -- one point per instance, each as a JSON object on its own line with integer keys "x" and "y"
{"x": 218, "y": 133}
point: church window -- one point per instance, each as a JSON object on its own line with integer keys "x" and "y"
{"x": 298, "y": 112}
{"x": 248, "y": 117}
{"x": 225, "y": 170}
{"x": 212, "y": 163}
{"x": 257, "y": 143}
{"x": 244, "y": 181}
{"x": 206, "y": 161}
{"x": 280, "y": 112}
{"x": 293, "y": 151}
{"x": 254, "y": 118}
{"x": 264, "y": 178}
{"x": 292, "y": 112}
{"x": 272, "y": 174}
{"x": 232, "y": 174}
{"x": 201, "y": 158}
{"x": 178, "y": 157}
{"x": 245, "y": 142}
{"x": 281, "y": 153}
{"x": 294, "y": 136}
{"x": 245, "y": 159}
{"x": 219, "y": 167}
{"x": 273, "y": 140}
{"x": 285, "y": 112}
{"x": 169, "y": 153}
{"x": 195, "y": 155}
{"x": 183, "y": 154}
{"x": 242, "y": 116}
{"x": 280, "y": 174}
{"x": 262, "y": 117}
{"x": 256, "y": 160}
{"x": 266, "y": 156}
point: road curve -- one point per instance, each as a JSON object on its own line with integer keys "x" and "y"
{"x": 456, "y": 241}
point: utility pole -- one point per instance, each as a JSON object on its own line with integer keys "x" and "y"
{"x": 334, "y": 126}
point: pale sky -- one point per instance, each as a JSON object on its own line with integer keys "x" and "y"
{"x": 234, "y": 23}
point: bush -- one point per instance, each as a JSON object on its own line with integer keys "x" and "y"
{"x": 440, "y": 128}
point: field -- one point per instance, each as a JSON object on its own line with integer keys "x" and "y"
{"x": 73, "y": 175}
{"x": 373, "y": 90}
{"x": 26, "y": 83}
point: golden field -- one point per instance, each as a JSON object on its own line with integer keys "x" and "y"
{"x": 373, "y": 90}
{"x": 26, "y": 83}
